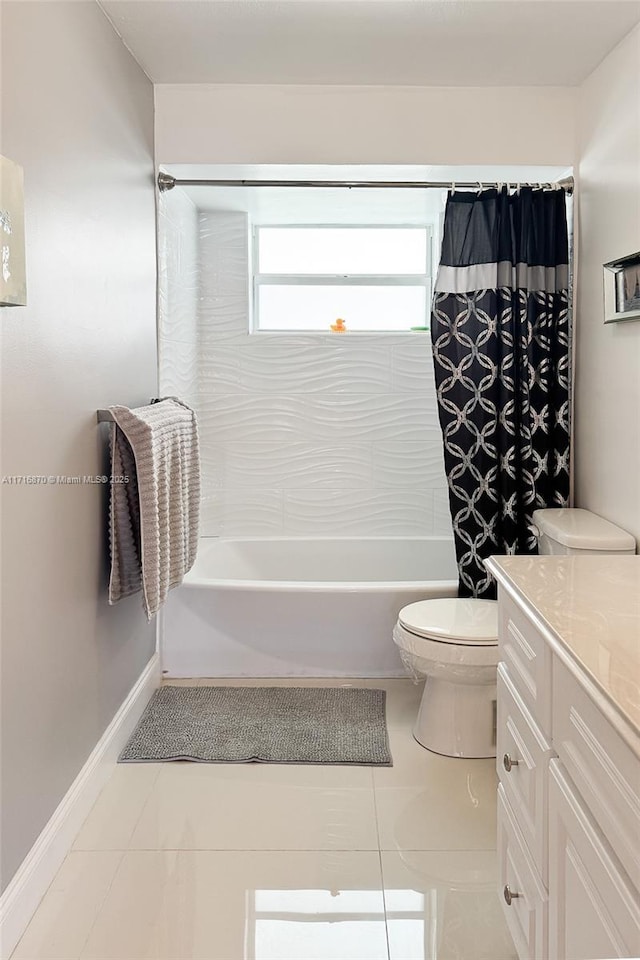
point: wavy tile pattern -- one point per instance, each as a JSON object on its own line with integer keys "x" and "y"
{"x": 412, "y": 365}
{"x": 398, "y": 464}
{"x": 281, "y": 466}
{"x": 316, "y": 417}
{"x": 224, "y": 254}
{"x": 301, "y": 435}
{"x": 223, "y": 306}
{"x": 178, "y": 366}
{"x": 178, "y": 289}
{"x": 399, "y": 511}
{"x": 441, "y": 512}
{"x": 243, "y": 513}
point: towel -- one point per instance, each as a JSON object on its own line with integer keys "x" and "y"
{"x": 153, "y": 518}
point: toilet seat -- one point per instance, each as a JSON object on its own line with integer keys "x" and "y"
{"x": 466, "y": 622}
{"x": 432, "y": 651}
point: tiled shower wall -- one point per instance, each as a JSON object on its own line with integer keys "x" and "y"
{"x": 178, "y": 289}
{"x": 302, "y": 435}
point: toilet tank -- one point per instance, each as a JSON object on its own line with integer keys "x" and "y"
{"x": 576, "y": 531}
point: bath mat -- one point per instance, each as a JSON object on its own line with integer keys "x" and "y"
{"x": 344, "y": 725}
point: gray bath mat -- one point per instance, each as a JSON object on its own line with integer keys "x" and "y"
{"x": 271, "y": 724}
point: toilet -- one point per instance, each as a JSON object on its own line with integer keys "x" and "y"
{"x": 453, "y": 643}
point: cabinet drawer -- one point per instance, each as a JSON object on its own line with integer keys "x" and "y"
{"x": 526, "y": 916}
{"x": 527, "y": 654}
{"x": 522, "y": 747}
{"x": 594, "y": 911}
{"x": 603, "y": 767}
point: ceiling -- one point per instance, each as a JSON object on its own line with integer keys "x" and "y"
{"x": 388, "y": 42}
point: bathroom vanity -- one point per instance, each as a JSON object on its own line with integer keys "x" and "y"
{"x": 568, "y": 749}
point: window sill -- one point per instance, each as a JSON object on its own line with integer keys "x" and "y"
{"x": 338, "y": 336}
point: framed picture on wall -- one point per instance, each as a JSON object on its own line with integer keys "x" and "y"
{"x": 13, "y": 282}
{"x": 622, "y": 289}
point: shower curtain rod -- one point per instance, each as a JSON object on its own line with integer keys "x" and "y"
{"x": 167, "y": 182}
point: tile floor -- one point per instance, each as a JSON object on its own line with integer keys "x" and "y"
{"x": 184, "y": 861}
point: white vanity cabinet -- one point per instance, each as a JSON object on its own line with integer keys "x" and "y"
{"x": 594, "y": 909}
{"x": 568, "y": 758}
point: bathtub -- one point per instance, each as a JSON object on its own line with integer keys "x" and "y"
{"x": 299, "y": 607}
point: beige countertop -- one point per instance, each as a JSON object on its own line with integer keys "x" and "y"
{"x": 589, "y": 607}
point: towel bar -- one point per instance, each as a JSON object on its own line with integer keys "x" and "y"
{"x": 105, "y": 416}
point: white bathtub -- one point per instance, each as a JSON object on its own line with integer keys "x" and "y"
{"x": 299, "y": 608}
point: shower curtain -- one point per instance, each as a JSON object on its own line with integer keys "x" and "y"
{"x": 501, "y": 347}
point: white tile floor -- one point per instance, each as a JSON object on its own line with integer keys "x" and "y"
{"x": 265, "y": 862}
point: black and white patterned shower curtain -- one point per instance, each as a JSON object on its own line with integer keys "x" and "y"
{"x": 500, "y": 332}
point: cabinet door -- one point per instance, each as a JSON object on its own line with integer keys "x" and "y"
{"x": 528, "y": 656}
{"x": 523, "y": 758}
{"x": 521, "y": 892}
{"x": 604, "y": 768}
{"x": 593, "y": 909}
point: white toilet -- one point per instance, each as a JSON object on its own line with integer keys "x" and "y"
{"x": 454, "y": 642}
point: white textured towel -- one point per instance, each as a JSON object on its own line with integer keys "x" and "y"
{"x": 153, "y": 519}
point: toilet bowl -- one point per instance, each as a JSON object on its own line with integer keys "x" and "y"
{"x": 453, "y": 643}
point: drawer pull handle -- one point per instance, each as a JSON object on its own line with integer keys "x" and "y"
{"x": 509, "y": 895}
{"x": 508, "y": 763}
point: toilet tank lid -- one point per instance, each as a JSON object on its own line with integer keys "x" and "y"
{"x": 453, "y": 620}
{"x": 582, "y": 530}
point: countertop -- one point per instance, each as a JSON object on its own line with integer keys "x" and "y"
{"x": 589, "y": 609}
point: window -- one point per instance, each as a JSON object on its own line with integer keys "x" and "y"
{"x": 374, "y": 278}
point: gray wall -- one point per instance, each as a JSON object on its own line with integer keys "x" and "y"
{"x": 607, "y": 398}
{"x": 77, "y": 114}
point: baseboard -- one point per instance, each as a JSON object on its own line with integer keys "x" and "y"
{"x": 21, "y": 898}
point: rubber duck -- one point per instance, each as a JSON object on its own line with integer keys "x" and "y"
{"x": 339, "y": 326}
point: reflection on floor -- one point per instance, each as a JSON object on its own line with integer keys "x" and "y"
{"x": 263, "y": 862}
